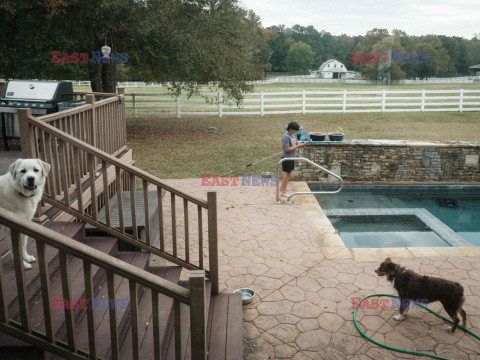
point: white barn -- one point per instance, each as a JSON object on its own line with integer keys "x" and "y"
{"x": 333, "y": 69}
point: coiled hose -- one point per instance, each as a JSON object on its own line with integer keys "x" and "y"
{"x": 402, "y": 350}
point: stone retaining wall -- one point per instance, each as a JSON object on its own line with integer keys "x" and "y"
{"x": 391, "y": 161}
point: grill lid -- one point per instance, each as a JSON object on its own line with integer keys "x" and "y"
{"x": 31, "y": 90}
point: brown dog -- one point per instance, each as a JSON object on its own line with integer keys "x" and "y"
{"x": 412, "y": 286}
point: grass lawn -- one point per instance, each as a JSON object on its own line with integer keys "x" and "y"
{"x": 183, "y": 148}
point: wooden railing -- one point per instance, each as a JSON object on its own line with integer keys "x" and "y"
{"x": 194, "y": 297}
{"x": 100, "y": 122}
{"x": 82, "y": 95}
{"x": 81, "y": 173}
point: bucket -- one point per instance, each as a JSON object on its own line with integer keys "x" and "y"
{"x": 318, "y": 136}
{"x": 336, "y": 136}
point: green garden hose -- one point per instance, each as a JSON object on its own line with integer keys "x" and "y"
{"x": 402, "y": 350}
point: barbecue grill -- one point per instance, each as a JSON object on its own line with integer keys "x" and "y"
{"x": 42, "y": 97}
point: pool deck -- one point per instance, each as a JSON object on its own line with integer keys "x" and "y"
{"x": 305, "y": 280}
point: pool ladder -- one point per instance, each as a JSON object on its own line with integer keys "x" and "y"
{"x": 277, "y": 201}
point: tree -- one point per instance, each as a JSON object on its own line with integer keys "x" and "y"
{"x": 382, "y": 68}
{"x": 36, "y": 28}
{"x": 184, "y": 43}
{"x": 432, "y": 66}
{"x": 300, "y": 58}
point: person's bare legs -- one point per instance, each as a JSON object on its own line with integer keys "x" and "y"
{"x": 283, "y": 186}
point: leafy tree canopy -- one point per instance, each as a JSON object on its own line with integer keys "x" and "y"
{"x": 184, "y": 43}
{"x": 300, "y": 58}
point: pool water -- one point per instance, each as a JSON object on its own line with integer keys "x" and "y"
{"x": 385, "y": 231}
{"x": 458, "y": 209}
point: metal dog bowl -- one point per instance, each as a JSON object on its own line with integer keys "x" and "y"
{"x": 267, "y": 174}
{"x": 247, "y": 295}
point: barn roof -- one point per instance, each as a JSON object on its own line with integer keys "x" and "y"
{"x": 324, "y": 65}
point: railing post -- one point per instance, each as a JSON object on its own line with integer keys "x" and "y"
{"x": 27, "y": 142}
{"x": 27, "y": 135}
{"x": 460, "y": 103}
{"x": 344, "y": 107}
{"x": 213, "y": 239}
{"x": 198, "y": 315}
{"x": 93, "y": 125}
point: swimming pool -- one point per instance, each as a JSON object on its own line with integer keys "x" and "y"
{"x": 404, "y": 215}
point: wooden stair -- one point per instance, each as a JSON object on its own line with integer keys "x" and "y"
{"x": 224, "y": 323}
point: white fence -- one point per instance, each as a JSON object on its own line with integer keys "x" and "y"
{"x": 311, "y": 79}
{"x": 304, "y": 102}
{"x": 435, "y": 81}
{"x": 121, "y": 84}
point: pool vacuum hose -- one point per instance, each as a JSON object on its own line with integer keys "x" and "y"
{"x": 402, "y": 350}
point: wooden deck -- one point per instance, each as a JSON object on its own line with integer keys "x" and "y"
{"x": 224, "y": 323}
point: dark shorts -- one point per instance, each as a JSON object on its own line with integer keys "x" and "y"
{"x": 288, "y": 166}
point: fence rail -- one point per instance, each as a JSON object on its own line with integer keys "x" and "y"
{"x": 303, "y": 102}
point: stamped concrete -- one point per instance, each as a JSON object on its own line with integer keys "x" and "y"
{"x": 303, "y": 307}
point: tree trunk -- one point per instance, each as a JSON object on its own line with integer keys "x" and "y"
{"x": 109, "y": 77}
{"x": 95, "y": 75}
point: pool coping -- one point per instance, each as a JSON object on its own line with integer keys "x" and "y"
{"x": 326, "y": 237}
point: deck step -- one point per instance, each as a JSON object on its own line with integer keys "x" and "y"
{"x": 77, "y": 287}
{"x": 32, "y": 277}
{"x": 165, "y": 309}
{"x": 139, "y": 260}
{"x": 127, "y": 218}
{"x": 225, "y": 342}
{"x": 185, "y": 326}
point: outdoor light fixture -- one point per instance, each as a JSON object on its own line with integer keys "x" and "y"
{"x": 106, "y": 49}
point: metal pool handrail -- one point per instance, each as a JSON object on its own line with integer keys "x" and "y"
{"x": 277, "y": 201}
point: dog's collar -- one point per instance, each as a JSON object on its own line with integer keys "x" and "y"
{"x": 22, "y": 194}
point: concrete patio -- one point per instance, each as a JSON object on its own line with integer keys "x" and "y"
{"x": 304, "y": 305}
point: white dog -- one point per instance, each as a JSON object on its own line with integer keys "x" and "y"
{"x": 21, "y": 190}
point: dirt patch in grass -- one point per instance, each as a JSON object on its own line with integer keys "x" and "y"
{"x": 183, "y": 148}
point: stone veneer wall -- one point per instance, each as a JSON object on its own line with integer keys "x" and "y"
{"x": 391, "y": 161}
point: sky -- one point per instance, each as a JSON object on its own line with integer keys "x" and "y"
{"x": 354, "y": 17}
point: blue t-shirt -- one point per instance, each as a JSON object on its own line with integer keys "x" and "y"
{"x": 289, "y": 140}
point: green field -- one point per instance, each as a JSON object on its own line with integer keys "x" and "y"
{"x": 169, "y": 147}
{"x": 183, "y": 148}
